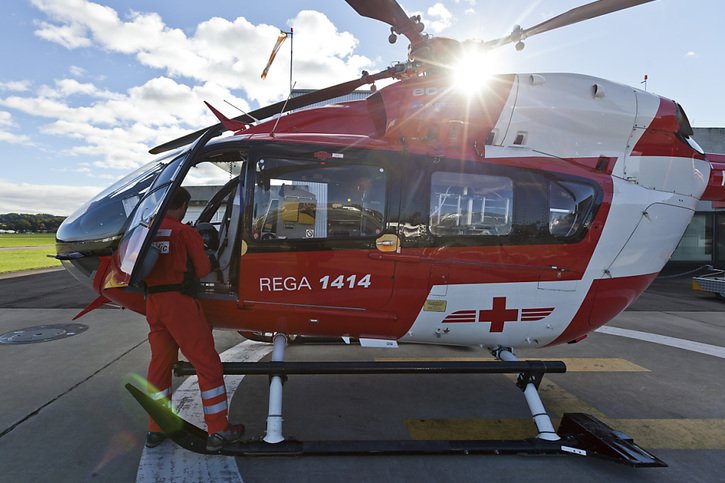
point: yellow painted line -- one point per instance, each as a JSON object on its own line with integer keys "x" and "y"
{"x": 573, "y": 364}
{"x": 603, "y": 364}
{"x": 470, "y": 429}
{"x": 682, "y": 434}
{"x": 648, "y": 433}
{"x": 558, "y": 400}
{"x": 685, "y": 434}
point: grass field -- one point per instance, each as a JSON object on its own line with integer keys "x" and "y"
{"x": 33, "y": 240}
{"x": 26, "y": 259}
{"x": 16, "y": 260}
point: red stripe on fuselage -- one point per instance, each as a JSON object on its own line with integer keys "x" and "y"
{"x": 660, "y": 137}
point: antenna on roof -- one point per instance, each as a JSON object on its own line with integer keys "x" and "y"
{"x": 283, "y": 106}
{"x": 242, "y": 111}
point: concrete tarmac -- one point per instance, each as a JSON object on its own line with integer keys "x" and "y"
{"x": 64, "y": 415}
{"x": 669, "y": 400}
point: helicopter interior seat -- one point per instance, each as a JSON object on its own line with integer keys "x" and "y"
{"x": 210, "y": 236}
{"x": 228, "y": 233}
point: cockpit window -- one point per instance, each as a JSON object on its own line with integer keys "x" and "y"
{"x": 105, "y": 215}
{"x": 151, "y": 202}
{"x": 570, "y": 208}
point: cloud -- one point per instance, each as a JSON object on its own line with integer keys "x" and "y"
{"x": 118, "y": 128}
{"x": 68, "y": 87}
{"x": 691, "y": 53}
{"x": 8, "y": 137}
{"x": 15, "y": 86}
{"x": 440, "y": 18}
{"x": 70, "y": 36}
{"x": 218, "y": 60}
{"x": 52, "y": 199}
{"x": 6, "y": 119}
{"x": 228, "y": 52}
{"x": 77, "y": 71}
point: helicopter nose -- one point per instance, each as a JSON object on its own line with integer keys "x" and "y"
{"x": 86, "y": 236}
{"x": 94, "y": 230}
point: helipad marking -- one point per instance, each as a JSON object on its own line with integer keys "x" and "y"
{"x": 711, "y": 350}
{"x": 558, "y": 400}
{"x": 470, "y": 429}
{"x": 170, "y": 462}
{"x": 684, "y": 434}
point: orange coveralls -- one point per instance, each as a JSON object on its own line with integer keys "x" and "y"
{"x": 177, "y": 321}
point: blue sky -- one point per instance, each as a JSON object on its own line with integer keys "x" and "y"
{"x": 87, "y": 87}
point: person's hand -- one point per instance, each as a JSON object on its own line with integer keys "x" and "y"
{"x": 213, "y": 260}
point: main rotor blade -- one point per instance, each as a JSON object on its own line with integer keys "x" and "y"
{"x": 575, "y": 15}
{"x": 585, "y": 12}
{"x": 390, "y": 12}
{"x": 280, "y": 107}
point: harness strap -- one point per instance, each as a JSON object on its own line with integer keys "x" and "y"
{"x": 164, "y": 288}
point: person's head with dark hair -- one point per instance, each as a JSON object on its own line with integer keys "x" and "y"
{"x": 179, "y": 203}
{"x": 181, "y": 196}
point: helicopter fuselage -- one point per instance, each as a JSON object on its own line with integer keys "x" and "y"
{"x": 524, "y": 214}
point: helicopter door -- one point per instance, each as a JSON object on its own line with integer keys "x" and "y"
{"x": 317, "y": 229}
{"x": 135, "y": 255}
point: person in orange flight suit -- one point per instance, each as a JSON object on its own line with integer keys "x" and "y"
{"x": 176, "y": 321}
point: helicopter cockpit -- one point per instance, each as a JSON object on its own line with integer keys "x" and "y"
{"x": 96, "y": 228}
{"x": 216, "y": 181}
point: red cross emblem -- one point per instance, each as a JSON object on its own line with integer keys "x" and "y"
{"x": 498, "y": 315}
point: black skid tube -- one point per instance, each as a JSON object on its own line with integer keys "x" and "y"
{"x": 367, "y": 367}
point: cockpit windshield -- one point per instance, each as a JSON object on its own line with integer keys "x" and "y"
{"x": 104, "y": 216}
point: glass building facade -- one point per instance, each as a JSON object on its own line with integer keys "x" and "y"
{"x": 704, "y": 241}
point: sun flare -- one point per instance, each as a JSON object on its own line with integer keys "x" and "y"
{"x": 472, "y": 72}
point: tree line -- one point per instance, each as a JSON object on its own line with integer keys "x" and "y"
{"x": 27, "y": 223}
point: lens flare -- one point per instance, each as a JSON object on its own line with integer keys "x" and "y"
{"x": 472, "y": 72}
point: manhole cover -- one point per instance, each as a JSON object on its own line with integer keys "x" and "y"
{"x": 42, "y": 333}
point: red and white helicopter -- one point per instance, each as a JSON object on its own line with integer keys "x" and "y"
{"x": 523, "y": 215}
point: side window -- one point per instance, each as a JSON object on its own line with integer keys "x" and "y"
{"x": 466, "y": 204}
{"x": 298, "y": 200}
{"x": 570, "y": 208}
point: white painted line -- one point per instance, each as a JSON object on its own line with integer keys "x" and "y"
{"x": 571, "y": 450}
{"x": 688, "y": 345}
{"x": 170, "y": 462}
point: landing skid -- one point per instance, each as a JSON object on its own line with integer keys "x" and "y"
{"x": 579, "y": 434}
